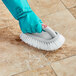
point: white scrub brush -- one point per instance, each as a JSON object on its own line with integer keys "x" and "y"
{"x": 48, "y": 40}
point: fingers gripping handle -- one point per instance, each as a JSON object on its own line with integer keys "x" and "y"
{"x": 49, "y": 30}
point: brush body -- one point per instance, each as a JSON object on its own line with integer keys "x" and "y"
{"x": 48, "y": 40}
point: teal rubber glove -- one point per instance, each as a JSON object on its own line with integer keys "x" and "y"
{"x": 21, "y": 11}
{"x": 30, "y": 23}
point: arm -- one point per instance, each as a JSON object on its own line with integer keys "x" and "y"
{"x": 29, "y": 22}
{"x": 17, "y": 7}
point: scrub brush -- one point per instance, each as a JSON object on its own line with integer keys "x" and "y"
{"x": 48, "y": 39}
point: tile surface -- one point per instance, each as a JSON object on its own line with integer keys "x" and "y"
{"x": 16, "y": 56}
{"x": 64, "y": 23}
{"x": 69, "y": 3}
{"x": 73, "y": 11}
{"x": 44, "y": 7}
{"x": 66, "y": 67}
{"x": 45, "y": 71}
{"x": 5, "y": 16}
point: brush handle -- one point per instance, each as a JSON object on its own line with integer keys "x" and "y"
{"x": 49, "y": 30}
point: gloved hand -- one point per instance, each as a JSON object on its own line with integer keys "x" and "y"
{"x": 29, "y": 22}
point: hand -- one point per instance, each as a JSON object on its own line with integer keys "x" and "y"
{"x": 30, "y": 23}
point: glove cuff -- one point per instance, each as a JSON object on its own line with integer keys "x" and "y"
{"x": 22, "y": 12}
{"x": 18, "y": 8}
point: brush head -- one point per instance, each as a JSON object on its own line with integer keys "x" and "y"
{"x": 44, "y": 40}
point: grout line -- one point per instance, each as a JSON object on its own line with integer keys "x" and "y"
{"x": 57, "y": 61}
{"x": 53, "y": 70}
{"x": 70, "y": 11}
{"x": 51, "y": 13}
{"x": 19, "y": 73}
{"x": 49, "y": 63}
{"x": 33, "y": 69}
{"x": 63, "y": 4}
{"x": 54, "y": 12}
{"x": 63, "y": 59}
{"x": 8, "y": 24}
{"x": 4, "y": 27}
{"x": 67, "y": 8}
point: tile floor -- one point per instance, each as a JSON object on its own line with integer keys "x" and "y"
{"x": 20, "y": 59}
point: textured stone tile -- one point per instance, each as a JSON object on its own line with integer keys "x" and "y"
{"x": 44, "y": 7}
{"x": 69, "y": 3}
{"x": 5, "y": 16}
{"x": 73, "y": 11}
{"x": 16, "y": 56}
{"x": 41, "y": 7}
{"x": 66, "y": 67}
{"x": 64, "y": 23}
{"x": 44, "y": 71}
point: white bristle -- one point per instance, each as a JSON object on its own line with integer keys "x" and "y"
{"x": 42, "y": 45}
